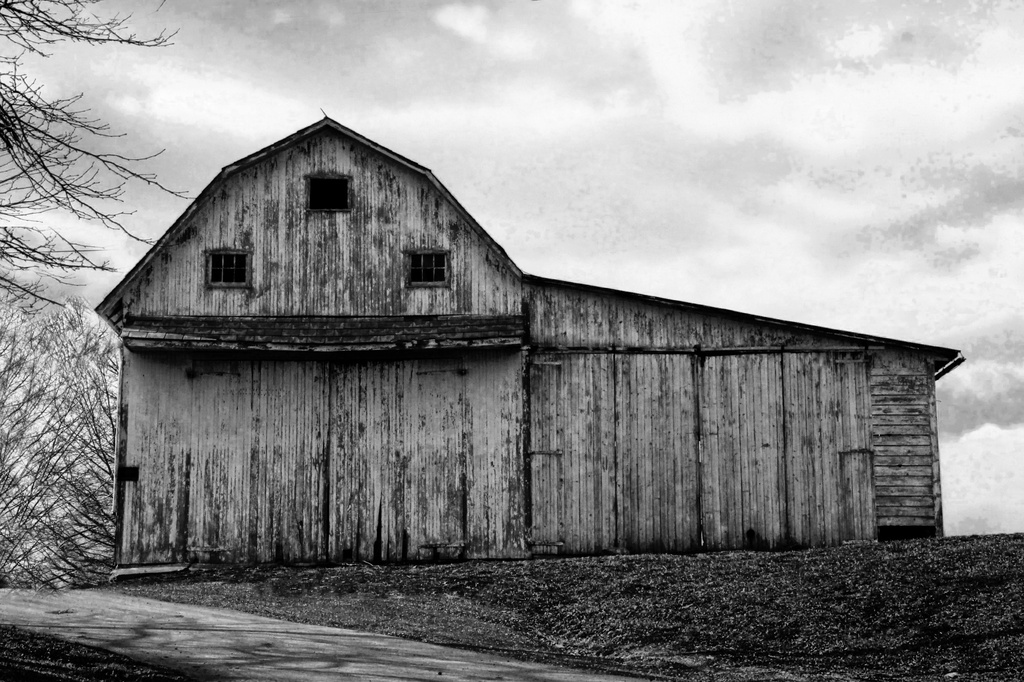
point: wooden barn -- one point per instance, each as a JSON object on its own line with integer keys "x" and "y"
{"x": 326, "y": 359}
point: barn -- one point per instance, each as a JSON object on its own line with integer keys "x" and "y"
{"x": 327, "y": 359}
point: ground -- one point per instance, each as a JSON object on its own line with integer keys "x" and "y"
{"x": 29, "y": 657}
{"x": 950, "y": 609}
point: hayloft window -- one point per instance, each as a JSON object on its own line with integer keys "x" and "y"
{"x": 228, "y": 269}
{"x": 428, "y": 268}
{"x": 328, "y": 194}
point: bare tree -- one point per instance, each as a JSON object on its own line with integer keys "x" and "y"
{"x": 24, "y": 395}
{"x": 52, "y": 154}
{"x": 58, "y": 405}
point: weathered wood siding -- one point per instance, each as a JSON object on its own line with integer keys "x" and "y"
{"x": 303, "y": 461}
{"x": 427, "y": 456}
{"x": 743, "y": 491}
{"x": 157, "y": 440}
{"x": 903, "y": 436}
{"x": 572, "y": 453}
{"x": 288, "y": 463}
{"x": 568, "y": 317}
{"x": 830, "y": 489}
{"x": 613, "y": 456}
{"x": 782, "y": 418}
{"x": 657, "y": 481}
{"x": 220, "y": 485}
{"x": 327, "y": 262}
{"x": 673, "y": 452}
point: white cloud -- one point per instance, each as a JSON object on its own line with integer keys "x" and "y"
{"x": 467, "y": 21}
{"x": 831, "y": 210}
{"x": 206, "y": 99}
{"x": 515, "y": 45}
{"x": 895, "y": 108}
{"x": 983, "y": 481}
{"x": 281, "y": 16}
{"x": 332, "y": 15}
{"x": 517, "y": 112}
{"x": 984, "y": 377}
{"x": 860, "y": 43}
{"x": 473, "y": 22}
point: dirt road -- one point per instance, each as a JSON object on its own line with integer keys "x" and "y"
{"x": 218, "y": 644}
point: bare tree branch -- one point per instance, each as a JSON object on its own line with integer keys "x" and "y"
{"x": 58, "y": 394}
{"x": 52, "y": 155}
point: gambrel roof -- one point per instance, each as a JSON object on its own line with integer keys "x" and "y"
{"x": 106, "y": 307}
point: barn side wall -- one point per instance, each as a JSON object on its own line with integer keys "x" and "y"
{"x": 789, "y": 439}
{"x": 613, "y": 456}
{"x": 262, "y": 460}
{"x": 648, "y": 452}
{"x": 326, "y": 262}
{"x": 904, "y": 439}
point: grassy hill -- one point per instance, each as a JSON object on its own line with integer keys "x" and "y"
{"x": 923, "y": 609}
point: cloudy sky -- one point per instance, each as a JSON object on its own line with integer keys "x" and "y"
{"x": 857, "y": 165}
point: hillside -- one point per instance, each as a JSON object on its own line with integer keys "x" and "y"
{"x": 925, "y": 609}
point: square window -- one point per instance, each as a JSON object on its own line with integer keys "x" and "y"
{"x": 228, "y": 269}
{"x": 428, "y": 268}
{"x": 328, "y": 194}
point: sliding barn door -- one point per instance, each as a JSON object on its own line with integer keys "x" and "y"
{"x": 545, "y": 455}
{"x": 828, "y": 453}
{"x": 437, "y": 458}
{"x": 572, "y": 453}
{"x": 613, "y": 453}
{"x": 674, "y": 452}
{"x": 290, "y": 427}
{"x": 219, "y": 511}
{"x": 398, "y": 470}
{"x": 153, "y": 491}
{"x": 743, "y": 487}
{"x": 656, "y": 453}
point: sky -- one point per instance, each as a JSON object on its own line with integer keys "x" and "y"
{"x": 855, "y": 165}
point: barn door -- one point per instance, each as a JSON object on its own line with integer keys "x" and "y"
{"x": 153, "y": 478}
{"x": 573, "y": 460}
{"x": 218, "y": 514}
{"x": 291, "y": 428}
{"x": 742, "y": 475}
{"x": 437, "y": 500}
{"x": 370, "y": 429}
{"x": 853, "y": 433}
{"x": 398, "y": 466}
{"x": 656, "y": 453}
{"x": 544, "y": 455}
{"x": 828, "y": 456}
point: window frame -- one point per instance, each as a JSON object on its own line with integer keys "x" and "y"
{"x": 329, "y": 176}
{"x": 210, "y": 253}
{"x": 434, "y": 252}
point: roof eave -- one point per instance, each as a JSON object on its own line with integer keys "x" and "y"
{"x": 950, "y": 366}
{"x": 948, "y": 354}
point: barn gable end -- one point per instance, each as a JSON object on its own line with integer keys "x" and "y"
{"x": 303, "y": 261}
{"x": 375, "y": 380}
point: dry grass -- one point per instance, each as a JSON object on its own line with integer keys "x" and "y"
{"x": 924, "y": 609}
